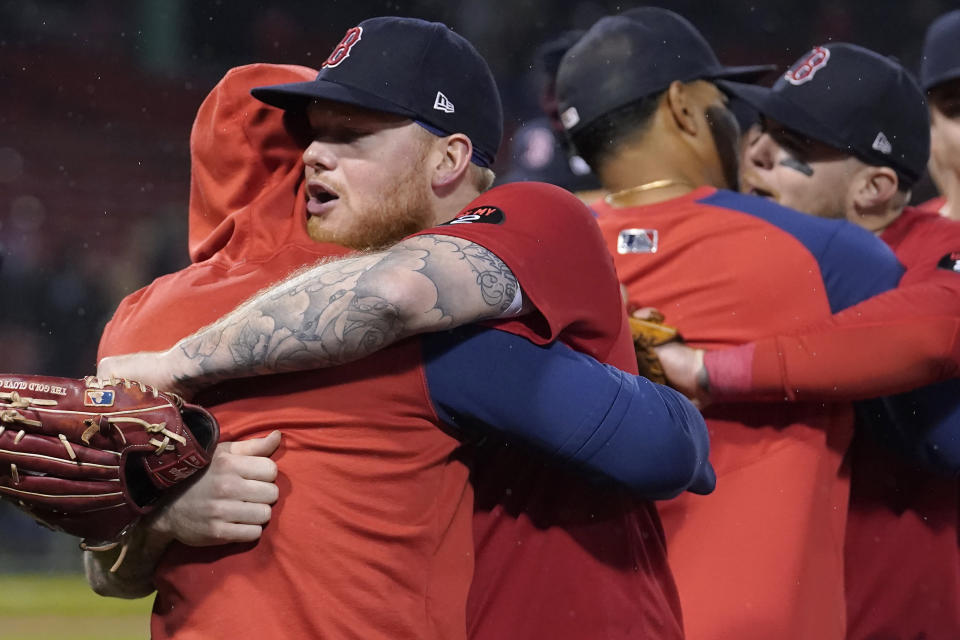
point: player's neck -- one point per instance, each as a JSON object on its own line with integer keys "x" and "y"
{"x": 646, "y": 174}
{"x": 876, "y": 221}
{"x": 450, "y": 204}
{"x": 951, "y": 209}
{"x": 951, "y": 193}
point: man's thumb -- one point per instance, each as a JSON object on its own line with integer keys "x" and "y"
{"x": 265, "y": 446}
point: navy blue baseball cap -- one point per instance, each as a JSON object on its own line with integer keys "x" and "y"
{"x": 627, "y": 57}
{"x": 409, "y": 67}
{"x": 854, "y": 100}
{"x": 941, "y": 51}
{"x": 550, "y": 53}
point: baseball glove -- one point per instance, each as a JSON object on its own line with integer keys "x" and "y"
{"x": 90, "y": 457}
{"x": 648, "y": 334}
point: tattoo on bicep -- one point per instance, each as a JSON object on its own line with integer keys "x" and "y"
{"x": 495, "y": 283}
{"x": 498, "y": 285}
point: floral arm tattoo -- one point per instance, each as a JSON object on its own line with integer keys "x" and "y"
{"x": 343, "y": 310}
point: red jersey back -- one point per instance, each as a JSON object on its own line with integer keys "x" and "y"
{"x": 762, "y": 556}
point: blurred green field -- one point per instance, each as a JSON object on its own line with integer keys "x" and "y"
{"x": 62, "y": 607}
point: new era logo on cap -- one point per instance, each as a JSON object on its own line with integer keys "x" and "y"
{"x": 570, "y": 118}
{"x": 442, "y": 103}
{"x": 881, "y": 144}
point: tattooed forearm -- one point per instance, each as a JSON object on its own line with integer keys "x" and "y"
{"x": 343, "y": 310}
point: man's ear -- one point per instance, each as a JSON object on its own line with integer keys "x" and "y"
{"x": 451, "y": 160}
{"x": 679, "y": 106}
{"x": 874, "y": 189}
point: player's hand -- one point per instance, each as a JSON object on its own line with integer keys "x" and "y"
{"x": 683, "y": 366}
{"x": 230, "y": 502}
{"x": 154, "y": 368}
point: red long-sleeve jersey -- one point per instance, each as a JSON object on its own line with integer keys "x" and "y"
{"x": 901, "y": 552}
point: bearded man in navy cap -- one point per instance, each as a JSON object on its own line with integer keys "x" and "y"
{"x": 373, "y": 538}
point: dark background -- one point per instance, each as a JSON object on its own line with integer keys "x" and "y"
{"x": 97, "y": 99}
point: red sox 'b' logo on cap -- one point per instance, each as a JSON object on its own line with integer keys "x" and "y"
{"x": 804, "y": 69}
{"x": 342, "y": 50}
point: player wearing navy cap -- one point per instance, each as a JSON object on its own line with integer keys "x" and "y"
{"x": 845, "y": 136}
{"x": 373, "y": 540}
{"x": 540, "y": 151}
{"x": 940, "y": 78}
{"x": 762, "y": 556}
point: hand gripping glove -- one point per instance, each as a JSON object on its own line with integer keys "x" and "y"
{"x": 90, "y": 457}
{"x": 648, "y": 334}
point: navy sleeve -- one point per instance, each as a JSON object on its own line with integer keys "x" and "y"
{"x": 857, "y": 265}
{"x": 645, "y": 436}
{"x": 854, "y": 263}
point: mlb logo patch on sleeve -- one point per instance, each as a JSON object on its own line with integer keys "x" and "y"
{"x": 950, "y": 262}
{"x": 98, "y": 398}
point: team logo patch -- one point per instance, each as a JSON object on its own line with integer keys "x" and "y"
{"x": 490, "y": 215}
{"x": 342, "y": 51}
{"x": 950, "y": 262}
{"x": 98, "y": 398}
{"x": 804, "y": 70}
{"x": 638, "y": 241}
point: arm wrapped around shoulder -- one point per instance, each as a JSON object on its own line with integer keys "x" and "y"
{"x": 90, "y": 457}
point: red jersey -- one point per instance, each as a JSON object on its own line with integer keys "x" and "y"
{"x": 762, "y": 556}
{"x": 934, "y": 205}
{"x": 903, "y": 519}
{"x": 925, "y": 306}
{"x": 550, "y": 540}
{"x": 371, "y": 537}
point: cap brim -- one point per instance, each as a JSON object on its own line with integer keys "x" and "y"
{"x": 774, "y": 106}
{"x": 297, "y": 95}
{"x": 751, "y": 73}
{"x": 942, "y": 78}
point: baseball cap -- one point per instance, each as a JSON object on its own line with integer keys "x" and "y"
{"x": 550, "y": 53}
{"x": 409, "y": 67}
{"x": 627, "y": 57}
{"x": 941, "y": 51}
{"x": 854, "y": 100}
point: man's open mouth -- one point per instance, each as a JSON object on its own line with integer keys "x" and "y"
{"x": 318, "y": 195}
